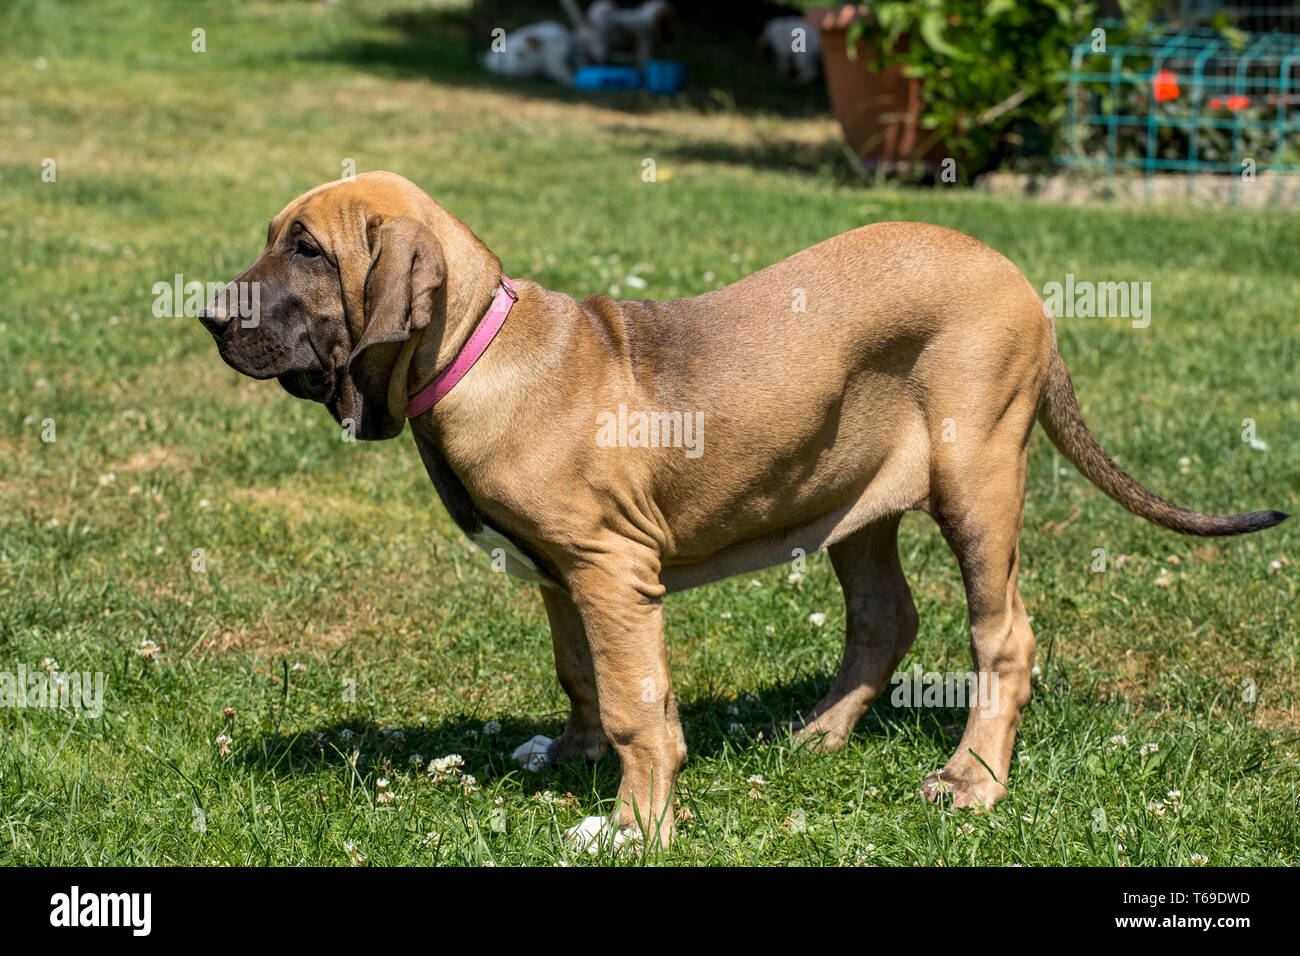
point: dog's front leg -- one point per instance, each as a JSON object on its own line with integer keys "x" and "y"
{"x": 583, "y": 735}
{"x": 618, "y": 597}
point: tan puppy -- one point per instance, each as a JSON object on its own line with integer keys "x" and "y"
{"x": 910, "y": 383}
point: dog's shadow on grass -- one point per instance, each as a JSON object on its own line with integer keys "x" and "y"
{"x": 358, "y": 748}
{"x": 715, "y": 725}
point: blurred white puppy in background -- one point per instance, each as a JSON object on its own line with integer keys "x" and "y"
{"x": 607, "y": 30}
{"x": 539, "y": 49}
{"x": 796, "y": 47}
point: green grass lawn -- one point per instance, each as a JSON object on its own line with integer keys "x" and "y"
{"x": 331, "y": 568}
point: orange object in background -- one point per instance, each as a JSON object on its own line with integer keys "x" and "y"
{"x": 1237, "y": 101}
{"x": 1165, "y": 86}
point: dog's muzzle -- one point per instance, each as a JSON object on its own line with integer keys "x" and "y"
{"x": 314, "y": 385}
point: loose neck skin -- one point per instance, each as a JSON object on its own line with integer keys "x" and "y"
{"x": 478, "y": 418}
{"x": 434, "y": 349}
{"x": 473, "y": 275}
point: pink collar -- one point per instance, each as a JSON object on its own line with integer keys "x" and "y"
{"x": 479, "y": 340}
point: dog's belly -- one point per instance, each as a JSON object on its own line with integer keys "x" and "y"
{"x": 807, "y": 467}
{"x": 900, "y": 485}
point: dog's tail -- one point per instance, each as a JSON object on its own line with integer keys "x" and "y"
{"x": 1058, "y": 413}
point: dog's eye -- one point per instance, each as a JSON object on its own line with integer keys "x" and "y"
{"x": 307, "y": 250}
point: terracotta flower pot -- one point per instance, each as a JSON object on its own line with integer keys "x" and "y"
{"x": 878, "y": 111}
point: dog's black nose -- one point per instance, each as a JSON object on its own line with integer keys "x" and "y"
{"x": 214, "y": 319}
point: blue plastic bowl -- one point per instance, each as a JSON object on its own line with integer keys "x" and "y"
{"x": 607, "y": 78}
{"x": 665, "y": 77}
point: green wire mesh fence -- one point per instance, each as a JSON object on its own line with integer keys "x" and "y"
{"x": 1187, "y": 100}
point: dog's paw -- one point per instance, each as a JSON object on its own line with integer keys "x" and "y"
{"x": 580, "y": 745}
{"x": 536, "y": 754}
{"x": 944, "y": 787}
{"x": 810, "y": 736}
{"x": 596, "y": 833}
{"x": 935, "y": 789}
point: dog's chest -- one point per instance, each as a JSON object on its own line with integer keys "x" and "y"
{"x": 506, "y": 556}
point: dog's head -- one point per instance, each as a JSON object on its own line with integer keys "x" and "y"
{"x": 356, "y": 275}
{"x": 523, "y": 55}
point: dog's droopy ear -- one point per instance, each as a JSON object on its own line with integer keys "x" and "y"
{"x": 406, "y": 271}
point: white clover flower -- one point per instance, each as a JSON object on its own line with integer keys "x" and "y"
{"x": 449, "y": 764}
{"x": 817, "y": 619}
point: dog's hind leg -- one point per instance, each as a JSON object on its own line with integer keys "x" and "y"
{"x": 583, "y": 735}
{"x": 880, "y": 625}
{"x": 981, "y": 517}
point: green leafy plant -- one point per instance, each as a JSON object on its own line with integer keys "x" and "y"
{"x": 988, "y": 70}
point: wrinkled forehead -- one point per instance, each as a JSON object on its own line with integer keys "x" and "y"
{"x": 335, "y": 208}
{"x": 317, "y": 211}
